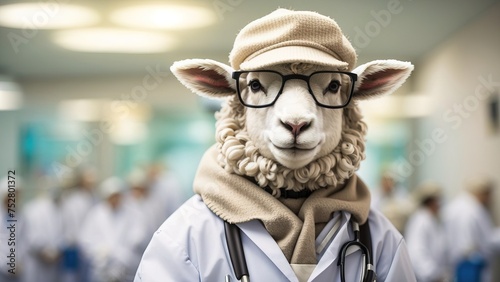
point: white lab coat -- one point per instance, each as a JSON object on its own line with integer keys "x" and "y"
{"x": 75, "y": 207}
{"x": 145, "y": 213}
{"x": 164, "y": 197}
{"x": 109, "y": 240}
{"x": 470, "y": 230}
{"x": 43, "y": 229}
{"x": 427, "y": 246}
{"x": 191, "y": 246}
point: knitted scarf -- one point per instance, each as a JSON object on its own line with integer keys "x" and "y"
{"x": 293, "y": 223}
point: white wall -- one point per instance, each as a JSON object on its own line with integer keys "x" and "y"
{"x": 454, "y": 75}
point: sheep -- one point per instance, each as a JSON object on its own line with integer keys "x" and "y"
{"x": 289, "y": 139}
{"x": 243, "y": 149}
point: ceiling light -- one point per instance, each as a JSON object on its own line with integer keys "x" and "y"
{"x": 46, "y": 15}
{"x": 113, "y": 40}
{"x": 164, "y": 16}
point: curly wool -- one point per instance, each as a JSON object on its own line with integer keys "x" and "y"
{"x": 238, "y": 154}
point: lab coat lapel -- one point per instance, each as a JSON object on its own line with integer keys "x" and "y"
{"x": 256, "y": 232}
{"x": 330, "y": 257}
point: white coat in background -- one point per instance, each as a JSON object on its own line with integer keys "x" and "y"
{"x": 142, "y": 211}
{"x": 42, "y": 231}
{"x": 165, "y": 196}
{"x": 470, "y": 230}
{"x": 191, "y": 246}
{"x": 110, "y": 239}
{"x": 427, "y": 246}
{"x": 75, "y": 207}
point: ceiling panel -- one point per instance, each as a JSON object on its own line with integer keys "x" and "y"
{"x": 399, "y": 29}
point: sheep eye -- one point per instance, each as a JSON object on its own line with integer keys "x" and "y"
{"x": 333, "y": 87}
{"x": 255, "y": 86}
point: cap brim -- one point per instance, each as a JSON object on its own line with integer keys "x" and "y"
{"x": 292, "y": 54}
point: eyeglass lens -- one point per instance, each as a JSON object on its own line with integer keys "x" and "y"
{"x": 260, "y": 88}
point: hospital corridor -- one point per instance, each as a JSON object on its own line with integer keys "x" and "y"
{"x": 140, "y": 141}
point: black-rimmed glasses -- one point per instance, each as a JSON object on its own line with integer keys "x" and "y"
{"x": 329, "y": 89}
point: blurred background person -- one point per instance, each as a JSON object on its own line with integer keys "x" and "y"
{"x": 43, "y": 231}
{"x": 425, "y": 236}
{"x": 165, "y": 192}
{"x": 77, "y": 201}
{"x": 392, "y": 201}
{"x": 140, "y": 202}
{"x": 111, "y": 235}
{"x": 472, "y": 236}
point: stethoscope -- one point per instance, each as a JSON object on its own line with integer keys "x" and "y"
{"x": 237, "y": 254}
{"x": 368, "y": 274}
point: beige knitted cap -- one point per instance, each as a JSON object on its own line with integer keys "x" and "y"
{"x": 286, "y": 36}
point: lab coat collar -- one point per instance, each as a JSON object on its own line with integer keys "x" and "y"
{"x": 330, "y": 257}
{"x": 256, "y": 232}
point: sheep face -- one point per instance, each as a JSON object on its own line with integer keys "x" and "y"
{"x": 294, "y": 131}
{"x": 292, "y": 143}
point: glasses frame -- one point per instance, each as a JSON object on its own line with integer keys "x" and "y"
{"x": 354, "y": 77}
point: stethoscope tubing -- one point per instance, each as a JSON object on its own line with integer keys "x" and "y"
{"x": 236, "y": 252}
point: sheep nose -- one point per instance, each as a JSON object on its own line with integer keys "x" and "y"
{"x": 296, "y": 129}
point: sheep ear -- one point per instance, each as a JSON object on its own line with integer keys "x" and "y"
{"x": 204, "y": 77}
{"x": 380, "y": 77}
